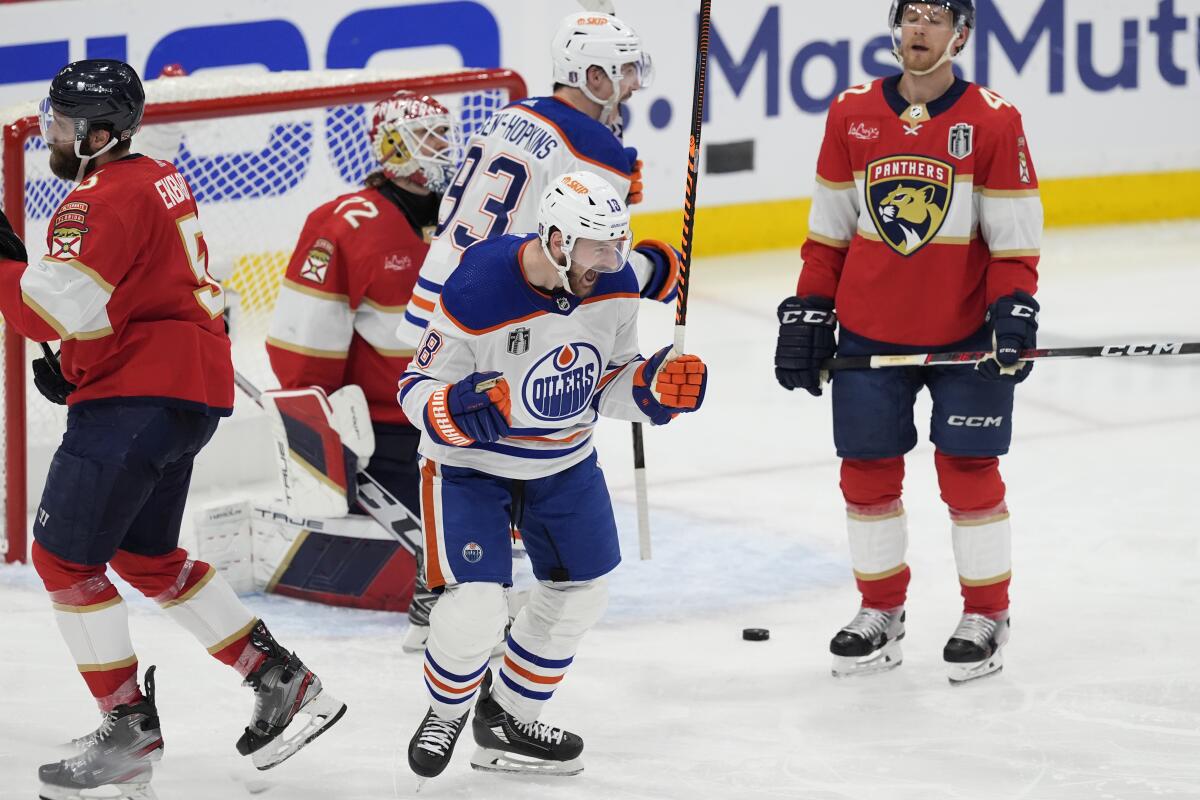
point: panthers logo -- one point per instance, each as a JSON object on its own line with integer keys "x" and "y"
{"x": 908, "y": 197}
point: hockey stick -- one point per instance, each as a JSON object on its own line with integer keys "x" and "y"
{"x": 689, "y": 228}
{"x": 974, "y": 356}
{"x": 377, "y": 501}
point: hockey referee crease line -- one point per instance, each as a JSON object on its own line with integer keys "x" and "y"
{"x": 780, "y": 224}
{"x": 378, "y": 502}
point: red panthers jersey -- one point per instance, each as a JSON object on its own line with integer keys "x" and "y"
{"x": 343, "y": 296}
{"x": 125, "y": 286}
{"x": 922, "y": 214}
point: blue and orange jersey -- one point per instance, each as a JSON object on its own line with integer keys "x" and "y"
{"x": 567, "y": 361}
{"x": 923, "y": 214}
{"x": 509, "y": 163}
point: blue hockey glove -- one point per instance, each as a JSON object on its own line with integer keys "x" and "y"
{"x": 806, "y": 338}
{"x": 476, "y": 409}
{"x": 662, "y": 283}
{"x": 1013, "y": 320}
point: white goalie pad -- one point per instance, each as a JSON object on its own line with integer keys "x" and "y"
{"x": 278, "y": 532}
{"x": 352, "y": 420}
{"x": 223, "y": 540}
{"x": 317, "y": 469}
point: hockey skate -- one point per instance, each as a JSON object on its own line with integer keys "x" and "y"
{"x": 431, "y": 746}
{"x": 975, "y": 649}
{"x": 290, "y": 706}
{"x": 869, "y": 644}
{"x": 505, "y": 744}
{"x": 116, "y": 757}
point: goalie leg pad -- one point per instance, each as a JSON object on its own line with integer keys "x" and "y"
{"x": 316, "y": 468}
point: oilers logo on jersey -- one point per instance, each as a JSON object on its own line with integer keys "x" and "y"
{"x": 908, "y": 197}
{"x": 561, "y": 383}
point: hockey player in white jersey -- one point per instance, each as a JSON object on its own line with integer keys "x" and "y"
{"x": 599, "y": 62}
{"x": 534, "y": 338}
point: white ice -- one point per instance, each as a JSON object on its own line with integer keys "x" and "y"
{"x": 1100, "y": 697}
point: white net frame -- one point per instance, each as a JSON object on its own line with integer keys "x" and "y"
{"x": 260, "y": 153}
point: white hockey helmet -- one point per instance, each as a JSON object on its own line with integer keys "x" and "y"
{"x": 599, "y": 40}
{"x": 593, "y": 220}
{"x": 414, "y": 137}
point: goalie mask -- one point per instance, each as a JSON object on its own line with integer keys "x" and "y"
{"x": 593, "y": 221}
{"x": 601, "y": 40}
{"x": 415, "y": 138}
{"x": 956, "y": 14}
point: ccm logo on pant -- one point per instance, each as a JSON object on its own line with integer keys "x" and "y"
{"x": 975, "y": 422}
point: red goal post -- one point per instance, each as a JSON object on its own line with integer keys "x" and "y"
{"x": 260, "y": 152}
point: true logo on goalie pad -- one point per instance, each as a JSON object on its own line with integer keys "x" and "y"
{"x": 472, "y": 553}
{"x": 908, "y": 198}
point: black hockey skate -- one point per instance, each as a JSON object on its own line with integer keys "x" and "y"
{"x": 119, "y": 755}
{"x": 290, "y": 706}
{"x": 505, "y": 744}
{"x": 975, "y": 649}
{"x": 870, "y": 643}
{"x": 431, "y": 746}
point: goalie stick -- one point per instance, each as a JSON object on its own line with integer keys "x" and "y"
{"x": 377, "y": 501}
{"x": 1040, "y": 354}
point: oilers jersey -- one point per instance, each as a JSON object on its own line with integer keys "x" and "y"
{"x": 567, "y": 361}
{"x": 509, "y": 163}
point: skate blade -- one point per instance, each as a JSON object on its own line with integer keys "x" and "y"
{"x": 314, "y": 718}
{"x": 884, "y": 659}
{"x": 138, "y": 788}
{"x": 415, "y": 639}
{"x": 959, "y": 674}
{"x": 487, "y": 760}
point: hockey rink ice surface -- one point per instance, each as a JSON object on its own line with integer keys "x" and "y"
{"x": 1099, "y": 698}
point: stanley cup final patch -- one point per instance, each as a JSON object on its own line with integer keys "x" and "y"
{"x": 908, "y": 197}
{"x": 962, "y": 140}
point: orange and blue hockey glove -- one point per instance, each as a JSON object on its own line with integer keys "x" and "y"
{"x": 663, "y": 389}
{"x": 476, "y": 409}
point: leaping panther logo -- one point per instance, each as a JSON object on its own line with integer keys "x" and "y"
{"x": 909, "y": 197}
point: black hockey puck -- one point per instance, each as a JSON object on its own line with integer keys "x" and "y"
{"x": 756, "y": 634}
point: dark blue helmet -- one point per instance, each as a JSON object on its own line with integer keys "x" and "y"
{"x": 105, "y": 93}
{"x": 964, "y": 10}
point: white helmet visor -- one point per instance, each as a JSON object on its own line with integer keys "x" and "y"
{"x": 608, "y": 255}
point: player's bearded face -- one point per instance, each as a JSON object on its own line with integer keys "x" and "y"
{"x": 63, "y": 161}
{"x": 926, "y": 31}
{"x": 590, "y": 258}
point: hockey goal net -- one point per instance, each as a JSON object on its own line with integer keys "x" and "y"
{"x": 260, "y": 152}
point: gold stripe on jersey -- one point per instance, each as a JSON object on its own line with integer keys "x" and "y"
{"x": 1010, "y": 192}
{"x": 79, "y": 266}
{"x": 306, "y": 351}
{"x": 835, "y": 185}
{"x": 311, "y": 292}
{"x": 400, "y": 309}
{"x": 839, "y": 244}
{"x": 1016, "y": 253}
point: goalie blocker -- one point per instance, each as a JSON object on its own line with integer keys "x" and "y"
{"x": 310, "y": 543}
